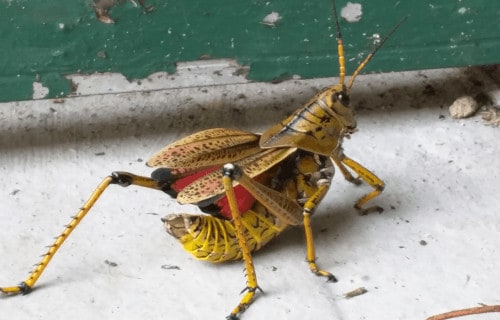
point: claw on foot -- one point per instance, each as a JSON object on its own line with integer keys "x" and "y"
{"x": 329, "y": 277}
{"x": 247, "y": 299}
{"x": 21, "y": 288}
{"x": 322, "y": 273}
{"x": 369, "y": 210}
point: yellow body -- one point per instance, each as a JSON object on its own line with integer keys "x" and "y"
{"x": 296, "y": 158}
{"x": 214, "y": 239}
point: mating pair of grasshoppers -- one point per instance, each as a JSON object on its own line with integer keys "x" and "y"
{"x": 254, "y": 186}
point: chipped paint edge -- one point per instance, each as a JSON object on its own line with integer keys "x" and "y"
{"x": 200, "y": 73}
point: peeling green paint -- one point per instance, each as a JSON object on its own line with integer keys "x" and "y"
{"x": 47, "y": 40}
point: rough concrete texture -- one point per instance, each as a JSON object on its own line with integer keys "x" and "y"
{"x": 433, "y": 249}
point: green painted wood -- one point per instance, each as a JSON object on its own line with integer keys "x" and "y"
{"x": 45, "y": 40}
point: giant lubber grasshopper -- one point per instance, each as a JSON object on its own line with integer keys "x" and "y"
{"x": 253, "y": 186}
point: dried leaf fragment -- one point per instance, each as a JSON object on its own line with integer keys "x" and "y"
{"x": 356, "y": 292}
{"x": 491, "y": 116}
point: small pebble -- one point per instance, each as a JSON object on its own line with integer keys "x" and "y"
{"x": 463, "y": 107}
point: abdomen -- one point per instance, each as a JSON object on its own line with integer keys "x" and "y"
{"x": 213, "y": 239}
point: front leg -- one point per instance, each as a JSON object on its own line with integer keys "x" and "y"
{"x": 366, "y": 175}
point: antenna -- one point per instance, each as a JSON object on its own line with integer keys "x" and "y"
{"x": 363, "y": 64}
{"x": 340, "y": 46}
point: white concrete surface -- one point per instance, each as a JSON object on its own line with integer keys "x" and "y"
{"x": 442, "y": 179}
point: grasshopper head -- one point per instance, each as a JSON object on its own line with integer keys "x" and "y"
{"x": 337, "y": 99}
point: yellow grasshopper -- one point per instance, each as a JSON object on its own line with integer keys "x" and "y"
{"x": 254, "y": 186}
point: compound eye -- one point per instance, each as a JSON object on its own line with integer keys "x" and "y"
{"x": 343, "y": 98}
